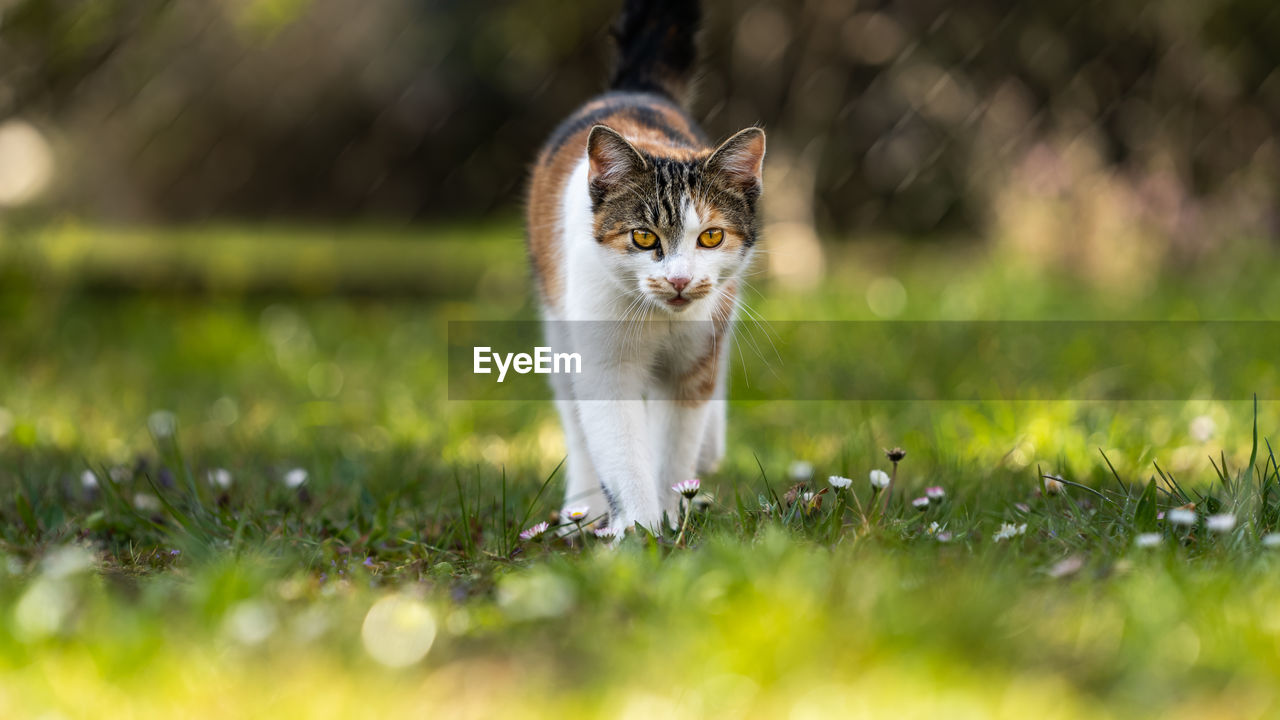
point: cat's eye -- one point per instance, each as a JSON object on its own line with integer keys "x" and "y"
{"x": 711, "y": 238}
{"x": 644, "y": 239}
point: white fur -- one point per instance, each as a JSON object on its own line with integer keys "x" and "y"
{"x": 626, "y": 437}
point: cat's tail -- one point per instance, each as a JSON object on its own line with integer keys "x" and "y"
{"x": 657, "y": 46}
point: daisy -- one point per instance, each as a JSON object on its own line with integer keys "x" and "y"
{"x": 1146, "y": 540}
{"x": 1271, "y": 540}
{"x": 534, "y": 531}
{"x": 1052, "y": 485}
{"x": 935, "y": 493}
{"x": 88, "y": 480}
{"x": 800, "y": 471}
{"x": 1222, "y": 522}
{"x": 1182, "y": 516}
{"x": 688, "y": 488}
{"x": 920, "y": 503}
{"x": 839, "y": 482}
{"x": 879, "y": 479}
{"x": 1009, "y": 530}
{"x": 575, "y": 514}
{"x": 220, "y": 478}
{"x": 295, "y": 478}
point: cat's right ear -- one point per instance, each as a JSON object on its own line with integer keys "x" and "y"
{"x": 611, "y": 157}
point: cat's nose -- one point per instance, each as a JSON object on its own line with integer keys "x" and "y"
{"x": 679, "y": 282}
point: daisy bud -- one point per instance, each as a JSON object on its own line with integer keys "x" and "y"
{"x": 534, "y": 531}
{"x": 935, "y": 493}
{"x": 879, "y": 479}
{"x": 895, "y": 455}
{"x": 688, "y": 488}
{"x": 839, "y": 482}
{"x": 920, "y": 503}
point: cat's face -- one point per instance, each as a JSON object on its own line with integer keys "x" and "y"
{"x": 675, "y": 230}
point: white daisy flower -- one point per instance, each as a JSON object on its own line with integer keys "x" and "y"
{"x": 88, "y": 480}
{"x": 1202, "y": 428}
{"x": 578, "y": 513}
{"x": 879, "y": 479}
{"x": 1222, "y": 522}
{"x": 534, "y": 531}
{"x": 1181, "y": 516}
{"x": 839, "y": 482}
{"x": 1008, "y": 531}
{"x": 800, "y": 471}
{"x": 920, "y": 503}
{"x": 1053, "y": 485}
{"x": 935, "y": 492}
{"x": 1147, "y": 540}
{"x": 219, "y": 478}
{"x": 1271, "y": 540}
{"x": 162, "y": 423}
{"x": 688, "y": 488}
{"x": 146, "y": 502}
{"x": 295, "y": 478}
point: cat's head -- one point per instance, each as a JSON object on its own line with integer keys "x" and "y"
{"x": 675, "y": 230}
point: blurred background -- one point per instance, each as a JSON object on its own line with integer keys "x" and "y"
{"x": 1112, "y": 140}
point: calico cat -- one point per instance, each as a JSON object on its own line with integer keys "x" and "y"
{"x": 639, "y": 233}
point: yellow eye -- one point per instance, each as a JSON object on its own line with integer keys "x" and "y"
{"x": 644, "y": 239}
{"x": 711, "y": 238}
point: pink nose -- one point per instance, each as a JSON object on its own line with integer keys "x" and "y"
{"x": 679, "y": 283}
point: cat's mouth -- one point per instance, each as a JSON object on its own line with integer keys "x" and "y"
{"x": 678, "y": 301}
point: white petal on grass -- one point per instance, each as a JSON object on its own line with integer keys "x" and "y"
{"x": 146, "y": 502}
{"x": 43, "y": 609}
{"x": 220, "y": 478}
{"x": 1181, "y": 516}
{"x": 800, "y": 471}
{"x": 398, "y": 631}
{"x": 839, "y": 482}
{"x": 250, "y": 622}
{"x": 295, "y": 478}
{"x": 1148, "y": 540}
{"x": 1202, "y": 428}
{"x": 1008, "y": 531}
{"x": 1221, "y": 522}
{"x": 67, "y": 561}
{"x": 162, "y": 423}
{"x": 879, "y": 479}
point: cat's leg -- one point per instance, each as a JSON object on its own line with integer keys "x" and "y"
{"x": 614, "y": 421}
{"x": 582, "y": 486}
{"x": 681, "y": 424}
{"x": 690, "y": 412}
{"x": 711, "y": 451}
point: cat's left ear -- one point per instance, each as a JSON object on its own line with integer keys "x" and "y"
{"x": 740, "y": 160}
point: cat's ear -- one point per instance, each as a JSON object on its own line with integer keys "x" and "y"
{"x": 740, "y": 160}
{"x": 611, "y": 157}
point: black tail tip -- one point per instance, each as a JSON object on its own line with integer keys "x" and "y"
{"x": 657, "y": 45}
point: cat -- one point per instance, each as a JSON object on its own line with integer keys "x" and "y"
{"x": 639, "y": 233}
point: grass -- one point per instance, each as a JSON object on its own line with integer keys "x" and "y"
{"x": 133, "y": 585}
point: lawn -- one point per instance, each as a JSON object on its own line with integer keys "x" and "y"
{"x": 245, "y": 492}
